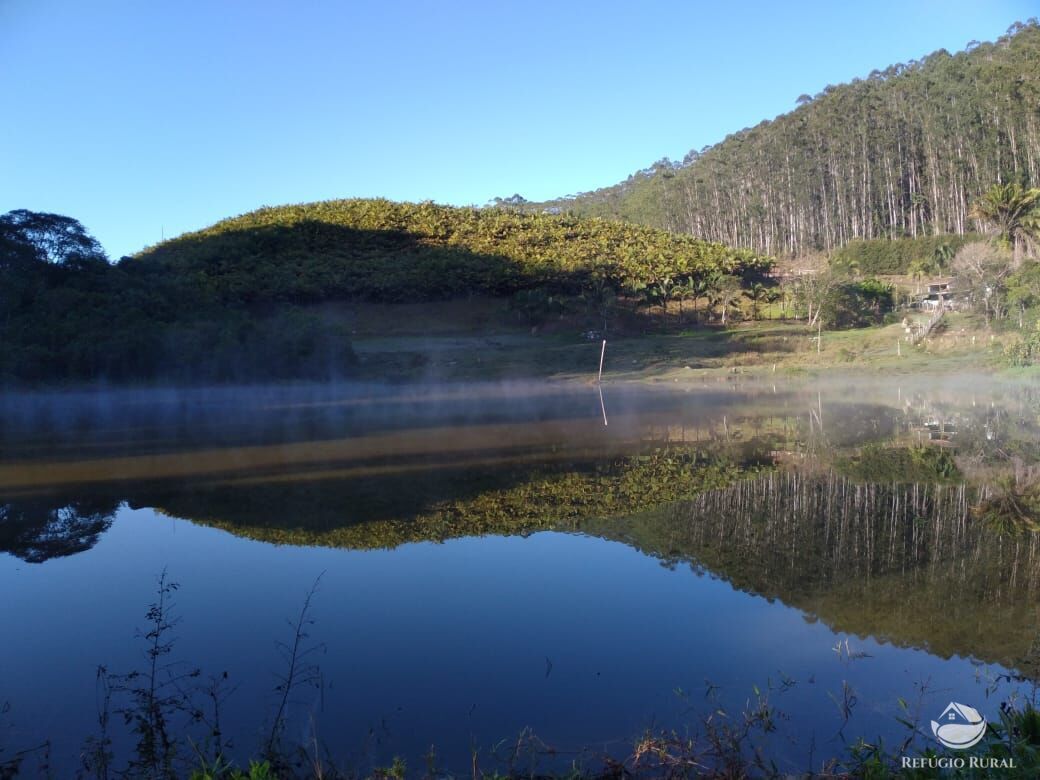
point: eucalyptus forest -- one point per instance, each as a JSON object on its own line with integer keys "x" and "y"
{"x": 903, "y": 151}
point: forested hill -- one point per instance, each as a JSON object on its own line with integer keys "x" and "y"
{"x": 246, "y": 298}
{"x": 902, "y": 152}
{"x": 380, "y": 250}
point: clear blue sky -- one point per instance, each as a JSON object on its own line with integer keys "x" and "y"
{"x": 143, "y": 117}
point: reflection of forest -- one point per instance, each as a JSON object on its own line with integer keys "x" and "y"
{"x": 902, "y": 563}
{"x": 894, "y": 553}
{"x": 37, "y": 530}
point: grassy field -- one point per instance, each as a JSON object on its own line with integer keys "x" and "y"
{"x": 482, "y": 339}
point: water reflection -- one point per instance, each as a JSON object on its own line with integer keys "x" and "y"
{"x": 904, "y": 563}
{"x": 38, "y": 529}
{"x": 871, "y": 510}
{"x": 308, "y": 468}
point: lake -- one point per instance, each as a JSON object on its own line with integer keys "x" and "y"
{"x": 518, "y": 575}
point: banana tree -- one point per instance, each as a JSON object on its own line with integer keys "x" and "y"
{"x": 726, "y": 294}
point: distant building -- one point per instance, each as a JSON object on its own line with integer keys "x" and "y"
{"x": 941, "y": 294}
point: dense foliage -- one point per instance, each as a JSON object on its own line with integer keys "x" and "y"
{"x": 835, "y": 300}
{"x": 32, "y": 236}
{"x": 1005, "y": 294}
{"x": 905, "y": 465}
{"x": 67, "y": 314}
{"x": 899, "y": 256}
{"x": 112, "y": 323}
{"x": 903, "y": 152}
{"x": 856, "y": 304}
{"x": 1025, "y": 351}
{"x": 378, "y": 250}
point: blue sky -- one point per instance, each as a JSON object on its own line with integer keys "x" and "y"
{"x": 144, "y": 118}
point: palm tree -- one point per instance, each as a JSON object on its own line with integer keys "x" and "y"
{"x": 665, "y": 287}
{"x": 1013, "y": 210}
{"x": 942, "y": 257}
{"x": 758, "y": 294}
{"x": 918, "y": 269}
{"x": 682, "y": 290}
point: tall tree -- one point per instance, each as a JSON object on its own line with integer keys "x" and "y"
{"x": 52, "y": 238}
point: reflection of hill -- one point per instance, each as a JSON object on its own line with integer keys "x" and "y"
{"x": 475, "y": 498}
{"x": 904, "y": 563}
{"x": 901, "y": 563}
{"x": 40, "y": 529}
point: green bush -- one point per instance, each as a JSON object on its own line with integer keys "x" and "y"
{"x": 895, "y": 256}
{"x": 876, "y": 463}
{"x": 857, "y": 304}
{"x": 1024, "y": 351}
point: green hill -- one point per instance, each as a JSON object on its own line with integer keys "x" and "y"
{"x": 244, "y": 299}
{"x": 901, "y": 152}
{"x": 378, "y": 250}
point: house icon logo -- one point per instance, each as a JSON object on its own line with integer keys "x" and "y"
{"x": 959, "y": 727}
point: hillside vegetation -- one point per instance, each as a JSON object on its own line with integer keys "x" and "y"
{"x": 902, "y": 152}
{"x": 239, "y": 300}
{"x": 379, "y": 250}
{"x": 897, "y": 256}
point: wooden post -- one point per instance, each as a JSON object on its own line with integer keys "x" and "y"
{"x": 602, "y": 352}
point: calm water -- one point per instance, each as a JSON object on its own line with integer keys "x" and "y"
{"x": 494, "y": 559}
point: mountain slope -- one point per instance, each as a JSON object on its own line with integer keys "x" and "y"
{"x": 902, "y": 152}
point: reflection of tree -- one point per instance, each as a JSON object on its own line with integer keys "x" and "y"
{"x": 906, "y": 563}
{"x": 37, "y": 530}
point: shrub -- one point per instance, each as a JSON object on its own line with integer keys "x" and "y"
{"x": 895, "y": 256}
{"x": 857, "y": 304}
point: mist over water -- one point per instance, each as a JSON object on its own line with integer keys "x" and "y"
{"x": 585, "y": 562}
